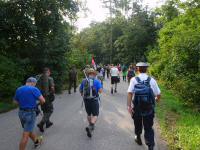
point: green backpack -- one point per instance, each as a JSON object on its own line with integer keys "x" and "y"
{"x": 43, "y": 84}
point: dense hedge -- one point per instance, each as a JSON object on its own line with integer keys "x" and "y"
{"x": 176, "y": 60}
{"x": 11, "y": 76}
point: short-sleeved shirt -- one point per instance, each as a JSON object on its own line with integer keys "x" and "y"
{"x": 144, "y": 76}
{"x": 114, "y": 72}
{"x": 97, "y": 85}
{"x": 27, "y": 96}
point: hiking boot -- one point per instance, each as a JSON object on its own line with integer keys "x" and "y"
{"x": 89, "y": 132}
{"x": 138, "y": 140}
{"x": 49, "y": 124}
{"x": 111, "y": 91}
{"x": 40, "y": 126}
{"x": 150, "y": 147}
{"x": 38, "y": 141}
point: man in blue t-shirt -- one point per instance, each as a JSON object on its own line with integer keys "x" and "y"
{"x": 90, "y": 89}
{"x": 26, "y": 97}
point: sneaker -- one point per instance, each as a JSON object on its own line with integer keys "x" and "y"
{"x": 138, "y": 140}
{"x": 38, "y": 141}
{"x": 49, "y": 124}
{"x": 41, "y": 128}
{"x": 88, "y": 130}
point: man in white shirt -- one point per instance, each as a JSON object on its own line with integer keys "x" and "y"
{"x": 114, "y": 73}
{"x": 134, "y": 105}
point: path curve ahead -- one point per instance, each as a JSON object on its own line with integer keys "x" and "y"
{"x": 114, "y": 130}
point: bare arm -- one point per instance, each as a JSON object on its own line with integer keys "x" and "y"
{"x": 42, "y": 100}
{"x": 158, "y": 98}
{"x": 129, "y": 101}
{"x": 100, "y": 90}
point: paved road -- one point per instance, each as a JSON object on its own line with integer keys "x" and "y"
{"x": 114, "y": 129}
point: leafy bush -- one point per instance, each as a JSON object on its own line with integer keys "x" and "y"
{"x": 10, "y": 78}
{"x": 177, "y": 60}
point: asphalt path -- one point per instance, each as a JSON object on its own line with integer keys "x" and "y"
{"x": 114, "y": 129}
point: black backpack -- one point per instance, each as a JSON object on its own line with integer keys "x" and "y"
{"x": 144, "y": 99}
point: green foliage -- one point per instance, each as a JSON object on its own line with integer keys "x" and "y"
{"x": 11, "y": 76}
{"x": 180, "y": 124}
{"x": 4, "y": 107}
{"x": 36, "y": 35}
{"x": 177, "y": 61}
{"x": 120, "y": 39}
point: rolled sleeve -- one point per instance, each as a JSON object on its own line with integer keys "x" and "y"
{"x": 155, "y": 88}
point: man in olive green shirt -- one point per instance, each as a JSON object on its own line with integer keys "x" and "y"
{"x": 47, "y": 88}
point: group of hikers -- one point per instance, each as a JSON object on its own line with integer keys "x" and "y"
{"x": 39, "y": 90}
{"x": 142, "y": 94}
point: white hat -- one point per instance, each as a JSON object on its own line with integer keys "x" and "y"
{"x": 142, "y": 64}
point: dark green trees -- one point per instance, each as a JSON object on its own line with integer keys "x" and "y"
{"x": 35, "y": 34}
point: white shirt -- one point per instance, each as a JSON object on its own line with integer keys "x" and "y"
{"x": 114, "y": 72}
{"x": 144, "y": 76}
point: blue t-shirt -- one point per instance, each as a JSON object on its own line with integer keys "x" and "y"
{"x": 27, "y": 96}
{"x": 96, "y": 84}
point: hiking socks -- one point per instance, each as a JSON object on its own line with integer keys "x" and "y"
{"x": 38, "y": 141}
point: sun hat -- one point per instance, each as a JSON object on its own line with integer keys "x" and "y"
{"x": 142, "y": 64}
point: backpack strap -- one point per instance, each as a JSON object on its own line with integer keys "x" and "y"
{"x": 138, "y": 79}
{"x": 147, "y": 81}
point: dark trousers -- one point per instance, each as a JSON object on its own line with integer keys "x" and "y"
{"x": 72, "y": 83}
{"x": 47, "y": 109}
{"x": 147, "y": 123}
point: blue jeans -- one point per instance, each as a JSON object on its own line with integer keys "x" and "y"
{"x": 28, "y": 119}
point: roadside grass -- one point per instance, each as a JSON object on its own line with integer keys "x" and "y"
{"x": 180, "y": 125}
{"x": 6, "y": 106}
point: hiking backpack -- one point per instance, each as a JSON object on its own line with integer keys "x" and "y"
{"x": 89, "y": 91}
{"x": 131, "y": 73}
{"x": 144, "y": 99}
